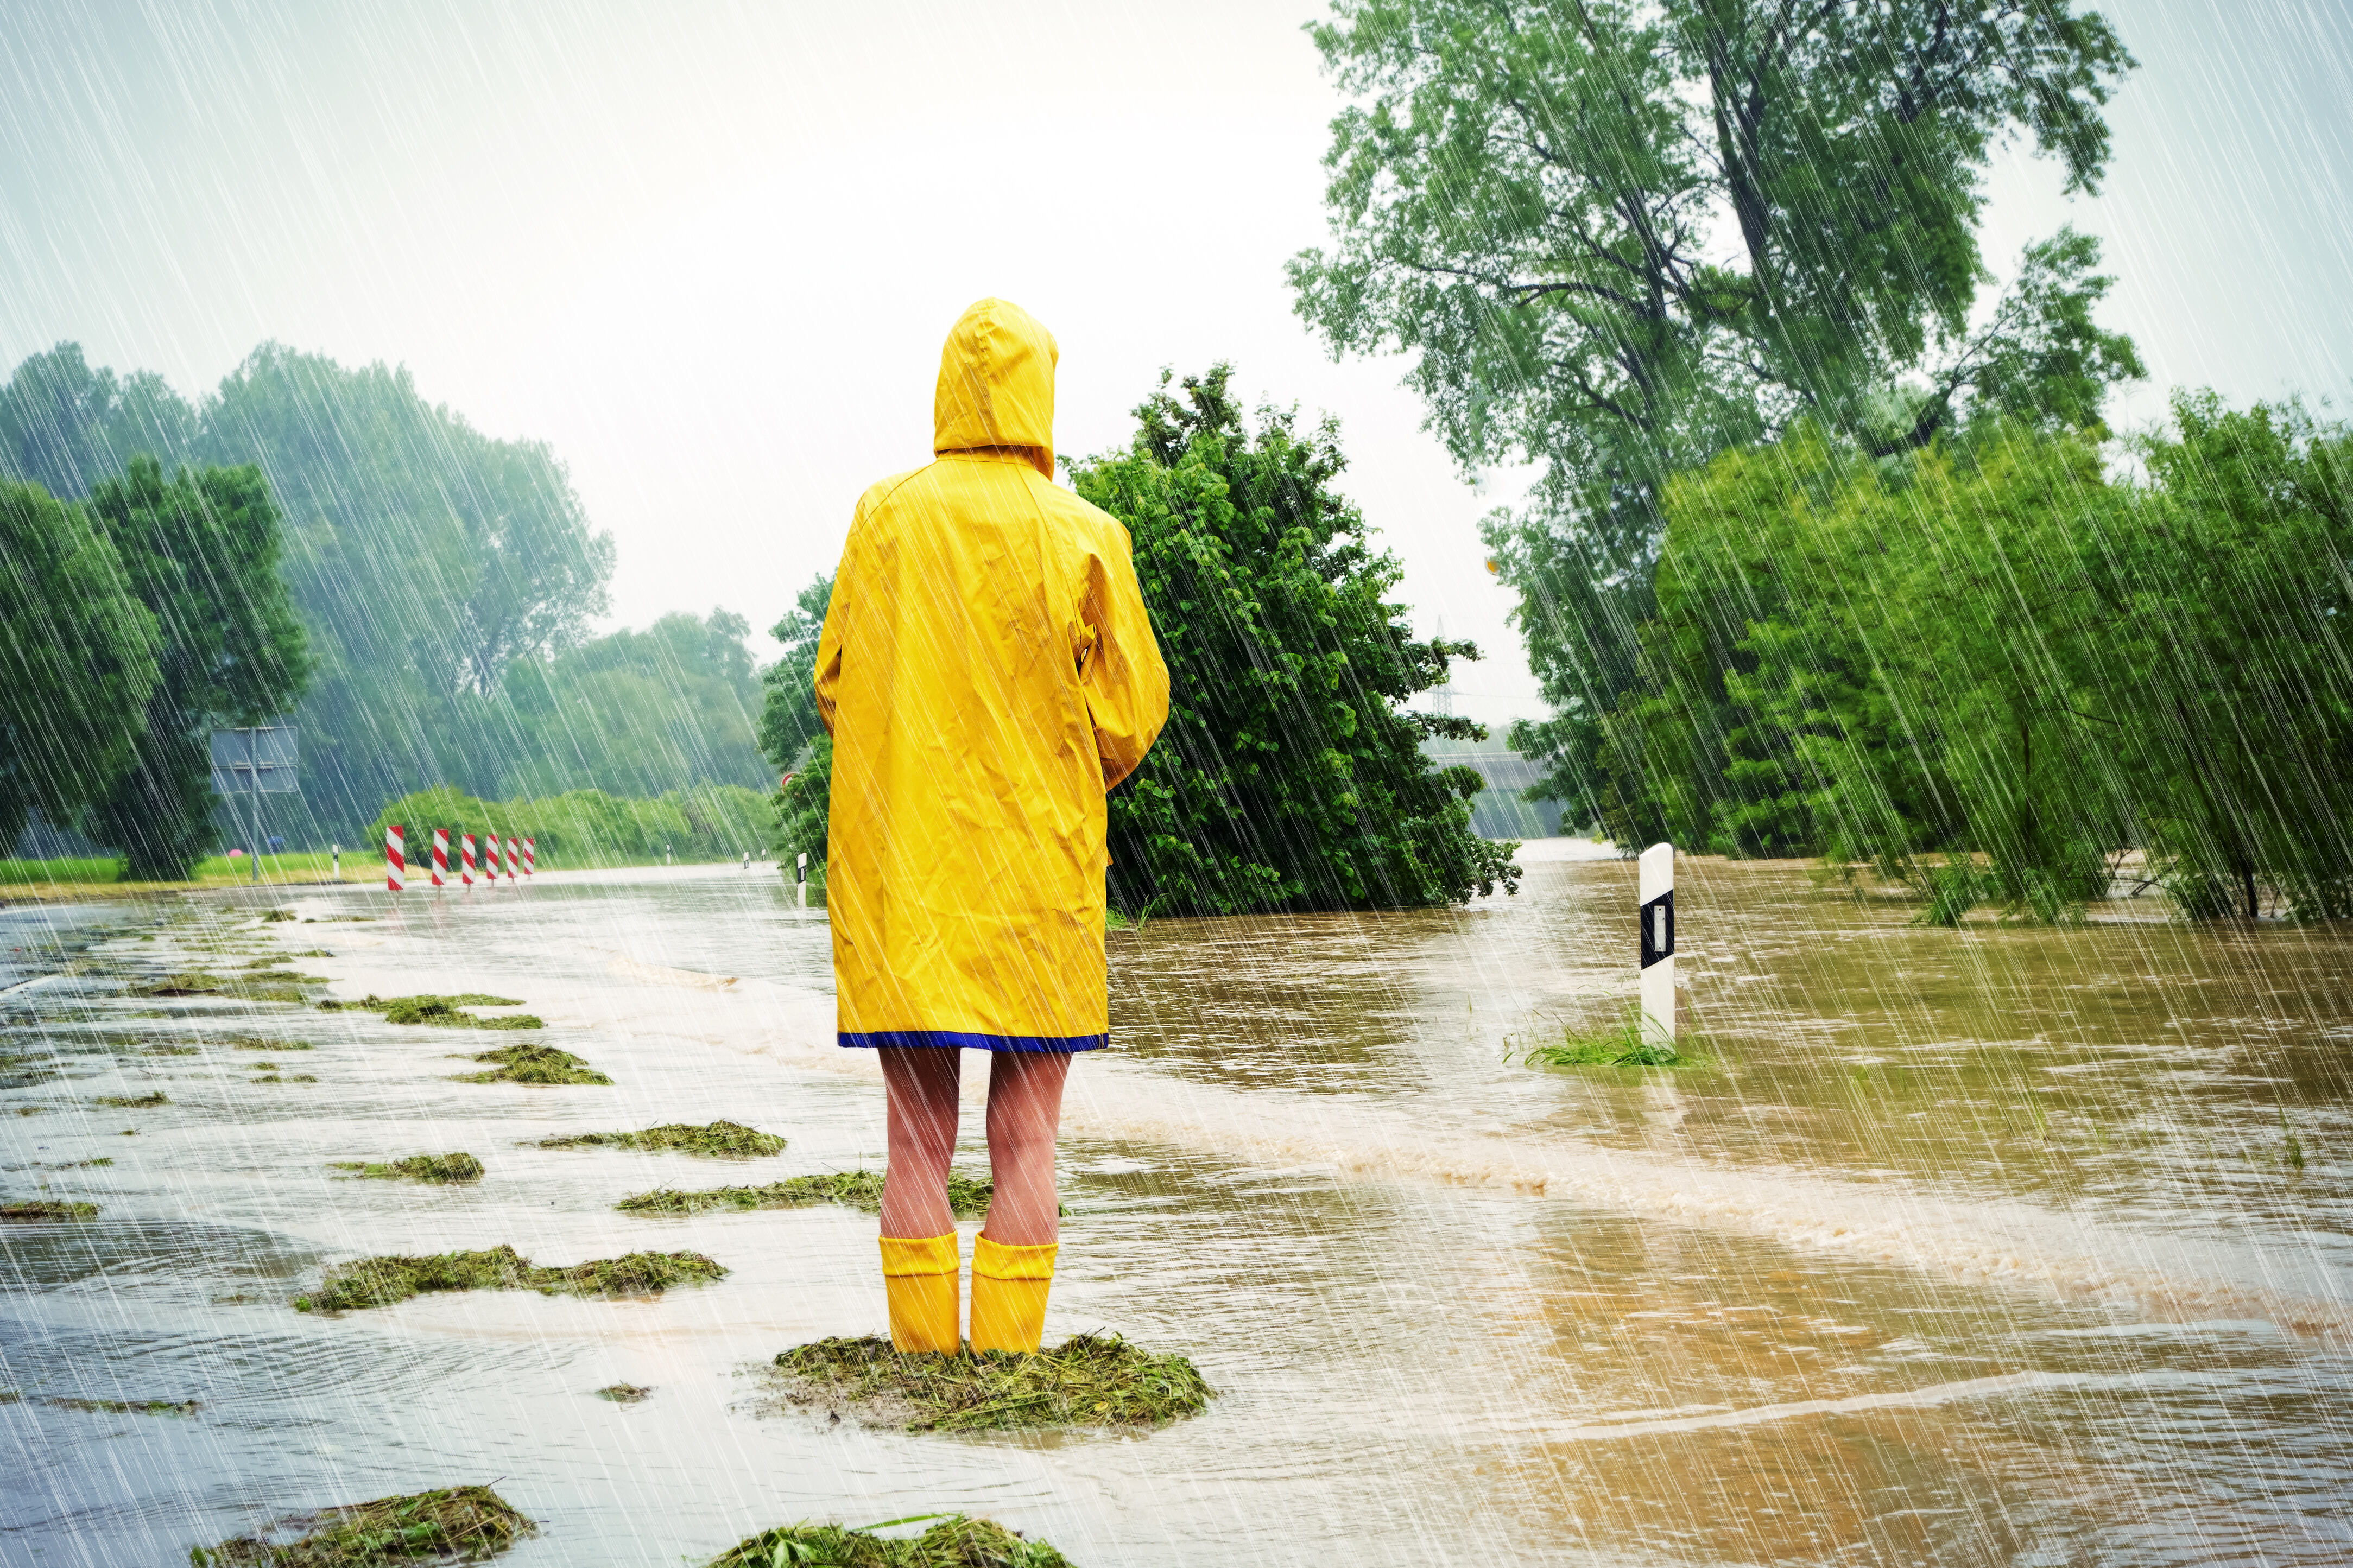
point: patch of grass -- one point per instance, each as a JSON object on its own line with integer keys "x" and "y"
{"x": 955, "y": 1542}
{"x": 456, "y": 1524}
{"x": 48, "y": 1208}
{"x": 134, "y": 1101}
{"x": 290, "y": 1078}
{"x": 83, "y": 1164}
{"x": 967, "y": 1195}
{"x": 381, "y": 1281}
{"x": 311, "y": 952}
{"x": 456, "y": 1167}
{"x": 533, "y": 1064}
{"x": 269, "y": 915}
{"x": 715, "y": 1140}
{"x": 174, "y": 1051}
{"x": 1625, "y": 1044}
{"x": 1093, "y": 1380}
{"x": 625, "y": 1393}
{"x": 256, "y": 1043}
{"x": 373, "y": 1004}
{"x": 126, "y": 1407}
{"x": 279, "y": 985}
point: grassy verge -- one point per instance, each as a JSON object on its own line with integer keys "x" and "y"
{"x": 967, "y": 1195}
{"x": 381, "y": 1281}
{"x": 458, "y": 1167}
{"x": 716, "y": 1140}
{"x": 955, "y": 1542}
{"x": 1090, "y": 1381}
{"x": 456, "y": 1524}
{"x": 533, "y": 1064}
{"x": 48, "y": 1208}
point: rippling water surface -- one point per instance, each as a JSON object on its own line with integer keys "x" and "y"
{"x": 1997, "y": 1245}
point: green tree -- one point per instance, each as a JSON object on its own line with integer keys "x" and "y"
{"x": 201, "y": 551}
{"x": 2233, "y": 613}
{"x": 65, "y": 425}
{"x": 788, "y": 721}
{"x": 638, "y": 713}
{"x": 802, "y": 806}
{"x": 1620, "y": 239}
{"x": 1288, "y": 776}
{"x": 77, "y": 660}
{"x": 425, "y": 558}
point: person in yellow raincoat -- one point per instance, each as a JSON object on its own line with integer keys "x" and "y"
{"x": 987, "y": 672}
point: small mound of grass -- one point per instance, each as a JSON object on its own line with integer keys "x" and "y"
{"x": 134, "y": 1101}
{"x": 268, "y": 915}
{"x": 126, "y": 1407}
{"x": 967, "y": 1195}
{"x": 174, "y": 1051}
{"x": 624, "y": 1394}
{"x": 48, "y": 1208}
{"x": 274, "y": 986}
{"x": 439, "y": 1012}
{"x": 458, "y": 1167}
{"x": 257, "y": 1043}
{"x": 381, "y": 1281}
{"x": 1093, "y": 1380}
{"x": 955, "y": 1542}
{"x": 715, "y": 1140}
{"x": 456, "y": 1524}
{"x": 533, "y": 1064}
{"x": 1625, "y": 1044}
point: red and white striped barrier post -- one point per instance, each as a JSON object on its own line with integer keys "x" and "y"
{"x": 490, "y": 858}
{"x": 530, "y": 858}
{"x": 395, "y": 870}
{"x": 514, "y": 853}
{"x": 466, "y": 858}
{"x": 440, "y": 857}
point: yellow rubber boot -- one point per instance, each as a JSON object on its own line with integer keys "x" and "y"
{"x": 1008, "y": 1294}
{"x": 919, "y": 1275}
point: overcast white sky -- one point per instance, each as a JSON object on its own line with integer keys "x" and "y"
{"x": 707, "y": 251}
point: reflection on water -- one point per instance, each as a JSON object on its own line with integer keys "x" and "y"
{"x": 1871, "y": 1284}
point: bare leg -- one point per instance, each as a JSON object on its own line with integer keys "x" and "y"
{"x": 1025, "y": 1112}
{"x": 921, "y": 1086}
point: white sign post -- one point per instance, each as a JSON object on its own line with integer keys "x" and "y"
{"x": 800, "y": 876}
{"x": 1658, "y": 942}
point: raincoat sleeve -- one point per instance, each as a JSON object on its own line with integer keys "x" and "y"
{"x": 837, "y": 630}
{"x": 1119, "y": 662}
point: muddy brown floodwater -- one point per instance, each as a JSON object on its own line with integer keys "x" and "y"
{"x": 1996, "y": 1246}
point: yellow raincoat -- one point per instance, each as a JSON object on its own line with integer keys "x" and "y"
{"x": 987, "y": 671}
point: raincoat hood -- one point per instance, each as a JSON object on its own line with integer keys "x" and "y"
{"x": 996, "y": 384}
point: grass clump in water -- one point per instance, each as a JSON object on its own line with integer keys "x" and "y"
{"x": 269, "y": 915}
{"x": 533, "y": 1064}
{"x": 440, "y": 1012}
{"x": 48, "y": 1208}
{"x": 716, "y": 1140}
{"x": 456, "y": 1167}
{"x": 134, "y": 1101}
{"x": 955, "y": 1542}
{"x": 625, "y": 1393}
{"x": 967, "y": 1195}
{"x": 381, "y": 1282}
{"x": 1093, "y": 1380}
{"x": 1625, "y": 1044}
{"x": 125, "y": 1406}
{"x": 455, "y": 1524}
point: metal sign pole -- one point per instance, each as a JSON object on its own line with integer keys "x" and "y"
{"x": 253, "y": 797}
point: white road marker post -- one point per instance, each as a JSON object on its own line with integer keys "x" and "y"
{"x": 1657, "y": 918}
{"x": 800, "y": 875}
{"x": 337, "y": 850}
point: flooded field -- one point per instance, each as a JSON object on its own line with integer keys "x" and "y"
{"x": 1996, "y": 1245}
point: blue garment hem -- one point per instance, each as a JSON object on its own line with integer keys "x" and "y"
{"x": 958, "y": 1039}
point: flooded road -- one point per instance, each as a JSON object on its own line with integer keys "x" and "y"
{"x": 1996, "y": 1245}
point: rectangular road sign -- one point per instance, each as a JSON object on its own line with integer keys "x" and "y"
{"x": 255, "y": 761}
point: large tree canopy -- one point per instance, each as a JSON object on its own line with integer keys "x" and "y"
{"x": 200, "y": 550}
{"x": 1619, "y": 239}
{"x": 77, "y": 659}
{"x": 1289, "y": 775}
